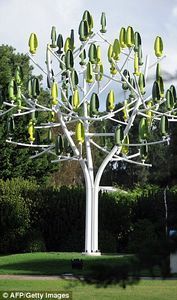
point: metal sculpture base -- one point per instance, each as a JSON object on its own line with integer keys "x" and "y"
{"x": 98, "y": 253}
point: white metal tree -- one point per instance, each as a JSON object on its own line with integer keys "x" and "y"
{"x": 75, "y": 93}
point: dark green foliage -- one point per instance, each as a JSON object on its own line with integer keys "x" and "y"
{"x": 63, "y": 218}
{"x": 14, "y": 217}
{"x": 14, "y": 160}
{"x": 115, "y": 218}
{"x": 34, "y": 242}
{"x": 151, "y": 249}
{"x": 107, "y": 241}
{"x": 9, "y": 61}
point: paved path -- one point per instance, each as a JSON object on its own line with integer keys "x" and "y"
{"x": 64, "y": 276}
{"x": 40, "y": 277}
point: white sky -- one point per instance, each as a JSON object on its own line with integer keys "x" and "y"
{"x": 18, "y": 18}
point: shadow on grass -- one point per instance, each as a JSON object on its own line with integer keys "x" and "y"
{"x": 53, "y": 266}
{"x": 38, "y": 267}
{"x": 99, "y": 272}
{"x": 123, "y": 273}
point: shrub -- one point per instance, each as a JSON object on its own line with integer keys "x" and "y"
{"x": 14, "y": 217}
{"x": 35, "y": 242}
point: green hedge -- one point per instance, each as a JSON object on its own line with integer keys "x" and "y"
{"x": 14, "y": 216}
{"x": 34, "y": 218}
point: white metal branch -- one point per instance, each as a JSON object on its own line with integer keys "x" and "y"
{"x": 154, "y": 64}
{"x": 6, "y": 112}
{"x": 127, "y": 58}
{"x": 28, "y": 145}
{"x": 36, "y": 64}
{"x": 42, "y": 152}
{"x": 132, "y": 162}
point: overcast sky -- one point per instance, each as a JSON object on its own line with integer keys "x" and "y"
{"x": 18, "y": 18}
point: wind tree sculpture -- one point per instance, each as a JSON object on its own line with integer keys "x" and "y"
{"x": 76, "y": 89}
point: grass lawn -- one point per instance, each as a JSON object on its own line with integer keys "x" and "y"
{"x": 145, "y": 290}
{"x": 58, "y": 263}
{"x": 50, "y": 263}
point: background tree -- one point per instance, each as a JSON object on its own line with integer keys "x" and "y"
{"x": 14, "y": 161}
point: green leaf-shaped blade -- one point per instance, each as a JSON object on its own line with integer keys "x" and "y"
{"x": 31, "y": 131}
{"x": 88, "y": 17}
{"x": 19, "y": 97}
{"x": 137, "y": 39}
{"x": 155, "y": 92}
{"x": 67, "y": 148}
{"x": 53, "y": 37}
{"x": 98, "y": 54}
{"x": 54, "y": 93}
{"x": 74, "y": 79}
{"x": 19, "y": 75}
{"x": 132, "y": 93}
{"x": 94, "y": 105}
{"x": 99, "y": 72}
{"x": 125, "y": 111}
{"x": 144, "y": 151}
{"x": 80, "y": 132}
{"x": 123, "y": 38}
{"x": 59, "y": 145}
{"x": 103, "y": 23}
{"x": 116, "y": 49}
{"x": 173, "y": 90}
{"x": 60, "y": 43}
{"x": 110, "y": 53}
{"x": 30, "y": 89}
{"x": 72, "y": 39}
{"x": 149, "y": 113}
{"x": 158, "y": 72}
{"x": 92, "y": 53}
{"x": 136, "y": 64}
{"x": 35, "y": 87}
{"x": 12, "y": 90}
{"x": 141, "y": 83}
{"x": 49, "y": 136}
{"x": 69, "y": 60}
{"x": 110, "y": 101}
{"x": 75, "y": 99}
{"x": 130, "y": 40}
{"x": 62, "y": 62}
{"x": 169, "y": 99}
{"x": 143, "y": 129}
{"x": 83, "y": 30}
{"x": 10, "y": 126}
{"x": 89, "y": 73}
{"x": 119, "y": 135}
{"x": 164, "y": 126}
{"x": 158, "y": 46}
{"x": 161, "y": 87}
{"x": 140, "y": 56}
{"x": 33, "y": 43}
{"x": 67, "y": 45}
{"x": 125, "y": 148}
{"x": 82, "y": 57}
